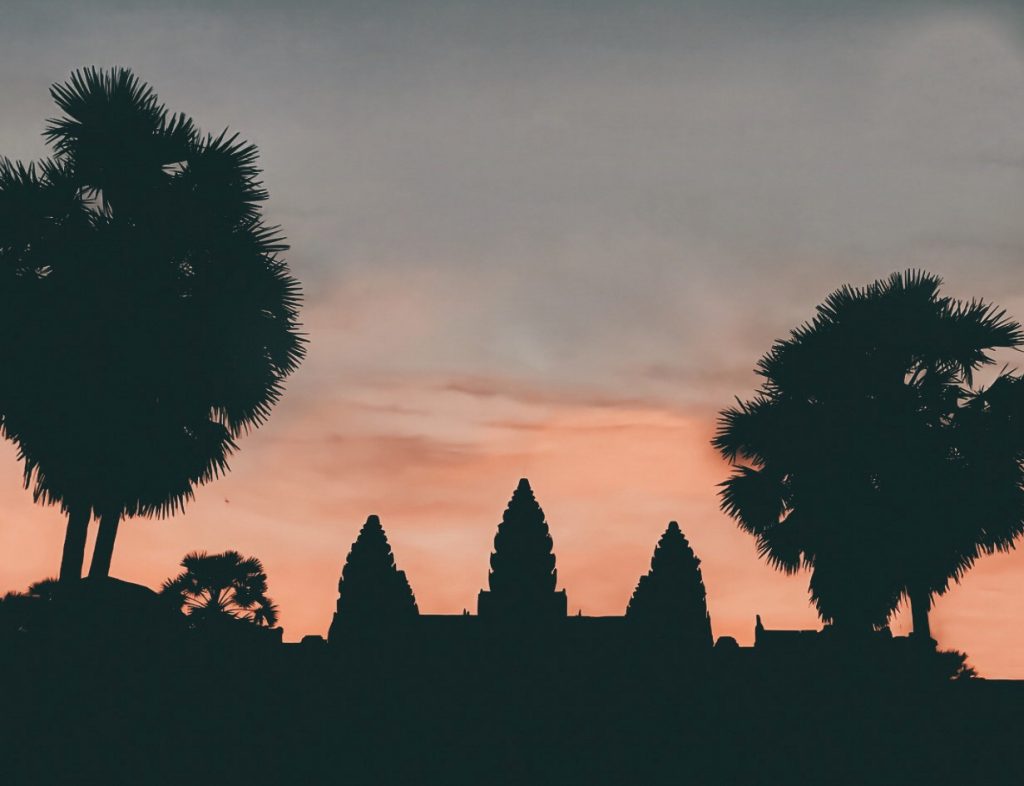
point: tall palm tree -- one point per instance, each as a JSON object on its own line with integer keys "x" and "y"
{"x": 147, "y": 317}
{"x": 214, "y": 588}
{"x": 867, "y": 455}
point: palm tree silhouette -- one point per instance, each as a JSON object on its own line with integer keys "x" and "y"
{"x": 147, "y": 317}
{"x": 215, "y": 588}
{"x": 867, "y": 457}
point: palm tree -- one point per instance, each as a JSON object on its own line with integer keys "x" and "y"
{"x": 215, "y": 588}
{"x": 867, "y": 455}
{"x": 147, "y": 317}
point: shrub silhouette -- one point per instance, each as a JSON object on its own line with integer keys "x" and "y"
{"x": 215, "y": 590}
{"x": 951, "y": 665}
{"x": 23, "y": 612}
{"x": 672, "y": 595}
{"x": 867, "y": 457}
{"x": 146, "y": 318}
{"x": 523, "y": 577}
{"x": 372, "y": 590}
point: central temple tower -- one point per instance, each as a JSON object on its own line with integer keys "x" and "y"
{"x": 522, "y": 578}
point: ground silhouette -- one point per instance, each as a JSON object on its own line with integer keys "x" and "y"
{"x": 106, "y": 682}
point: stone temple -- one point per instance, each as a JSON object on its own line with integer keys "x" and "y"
{"x": 522, "y": 599}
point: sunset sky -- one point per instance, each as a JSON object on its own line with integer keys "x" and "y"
{"x": 551, "y": 239}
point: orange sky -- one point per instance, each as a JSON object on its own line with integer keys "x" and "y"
{"x": 437, "y": 459}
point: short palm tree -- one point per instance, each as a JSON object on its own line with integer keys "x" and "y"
{"x": 868, "y": 457}
{"x": 214, "y": 588}
{"x": 146, "y": 317}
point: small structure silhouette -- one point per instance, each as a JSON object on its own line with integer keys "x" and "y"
{"x": 523, "y": 577}
{"x": 372, "y": 591}
{"x": 787, "y": 641}
{"x": 671, "y": 595}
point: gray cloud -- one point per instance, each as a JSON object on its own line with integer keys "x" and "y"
{"x": 575, "y": 192}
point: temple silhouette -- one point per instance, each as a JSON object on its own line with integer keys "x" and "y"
{"x": 522, "y": 599}
{"x": 523, "y": 612}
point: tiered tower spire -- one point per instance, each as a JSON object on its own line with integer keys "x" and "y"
{"x": 372, "y": 592}
{"x": 671, "y": 596}
{"x": 523, "y": 577}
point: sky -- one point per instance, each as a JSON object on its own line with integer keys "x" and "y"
{"x": 551, "y": 240}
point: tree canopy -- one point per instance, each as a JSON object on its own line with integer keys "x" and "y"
{"x": 869, "y": 457}
{"x": 146, "y": 316}
{"x": 217, "y": 588}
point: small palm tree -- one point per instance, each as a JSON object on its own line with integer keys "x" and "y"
{"x": 868, "y": 457}
{"x": 216, "y": 588}
{"x": 146, "y": 317}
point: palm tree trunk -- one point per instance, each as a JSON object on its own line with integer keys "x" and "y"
{"x": 73, "y": 558}
{"x": 920, "y": 605}
{"x": 104, "y": 550}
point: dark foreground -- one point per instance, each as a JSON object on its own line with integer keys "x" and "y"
{"x": 503, "y": 711}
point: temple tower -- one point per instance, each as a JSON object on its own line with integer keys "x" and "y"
{"x": 671, "y": 596}
{"x": 522, "y": 578}
{"x": 372, "y": 592}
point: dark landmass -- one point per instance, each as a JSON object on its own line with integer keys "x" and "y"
{"x": 500, "y": 706}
